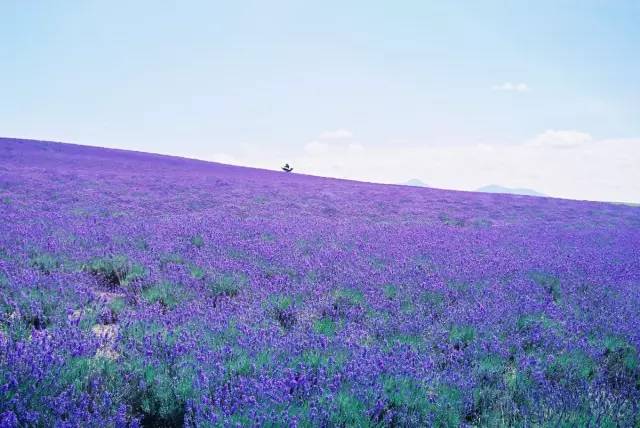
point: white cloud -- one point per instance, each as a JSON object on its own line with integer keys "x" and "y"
{"x": 563, "y": 139}
{"x": 224, "y": 158}
{"x": 355, "y": 148}
{"x": 338, "y": 134}
{"x": 511, "y": 87}
{"x": 604, "y": 170}
{"x": 316, "y": 148}
{"x": 326, "y": 144}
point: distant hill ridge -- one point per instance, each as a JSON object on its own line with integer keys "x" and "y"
{"x": 494, "y": 188}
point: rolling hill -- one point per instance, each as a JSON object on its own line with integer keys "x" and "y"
{"x": 147, "y": 290}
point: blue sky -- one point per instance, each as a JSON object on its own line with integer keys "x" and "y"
{"x": 458, "y": 94}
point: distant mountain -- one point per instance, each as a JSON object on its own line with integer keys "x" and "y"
{"x": 415, "y": 182}
{"x": 494, "y": 188}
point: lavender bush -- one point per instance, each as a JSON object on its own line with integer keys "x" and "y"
{"x": 144, "y": 290}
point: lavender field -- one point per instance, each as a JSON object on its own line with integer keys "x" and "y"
{"x": 145, "y": 290}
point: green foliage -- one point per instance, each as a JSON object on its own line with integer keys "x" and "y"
{"x": 500, "y": 392}
{"x": 349, "y": 411}
{"x": 331, "y": 360}
{"x": 415, "y": 341}
{"x": 38, "y": 307}
{"x": 325, "y": 326}
{"x": 239, "y": 365}
{"x": 301, "y": 412}
{"x": 167, "y": 294}
{"x": 550, "y": 283}
{"x": 390, "y": 291}
{"x": 197, "y": 241}
{"x": 621, "y": 363}
{"x": 569, "y": 367}
{"x": 227, "y": 285}
{"x": 141, "y": 244}
{"x": 157, "y": 389}
{"x": 407, "y": 307}
{"x": 533, "y": 328}
{"x": 88, "y": 318}
{"x": 451, "y": 221}
{"x": 448, "y": 407}
{"x": 117, "y": 305}
{"x": 74, "y": 376}
{"x": 434, "y": 299}
{"x": 282, "y": 309}
{"x": 349, "y": 296}
{"x": 44, "y": 262}
{"x": 345, "y": 300}
{"x": 171, "y": 258}
{"x": 461, "y": 336}
{"x": 4, "y": 280}
{"x": 406, "y": 396}
{"x": 162, "y": 391}
{"x": 133, "y": 334}
{"x": 281, "y": 302}
{"x": 490, "y": 369}
{"x": 197, "y": 272}
{"x": 526, "y": 323}
{"x": 116, "y": 270}
{"x": 80, "y": 371}
{"x": 518, "y": 385}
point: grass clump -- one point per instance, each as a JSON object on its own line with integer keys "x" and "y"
{"x": 349, "y": 296}
{"x": 239, "y": 365}
{"x": 414, "y": 341}
{"x": 449, "y": 406}
{"x": 4, "y": 280}
{"x": 349, "y": 411}
{"x": 549, "y": 283}
{"x": 226, "y": 285}
{"x": 171, "y": 258}
{"x": 621, "y": 364}
{"x": 461, "y": 336}
{"x": 162, "y": 391}
{"x": 44, "y": 262}
{"x": 197, "y": 241}
{"x": 332, "y": 360}
{"x": 111, "y": 313}
{"x": 390, "y": 291}
{"x": 451, "y": 221}
{"x": 433, "y": 298}
{"x": 37, "y": 308}
{"x": 167, "y": 294}
{"x": 117, "y": 305}
{"x": 501, "y": 392}
{"x": 116, "y": 270}
{"x": 571, "y": 367}
{"x": 325, "y": 326}
{"x": 406, "y": 399}
{"x": 282, "y": 309}
{"x": 346, "y": 301}
{"x": 490, "y": 369}
{"x": 197, "y": 272}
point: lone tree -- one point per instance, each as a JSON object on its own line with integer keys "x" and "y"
{"x": 287, "y": 168}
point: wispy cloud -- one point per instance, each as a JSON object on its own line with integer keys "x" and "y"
{"x": 316, "y": 148}
{"x": 333, "y": 141}
{"x": 511, "y": 87}
{"x": 337, "y": 134}
{"x": 562, "y": 139}
{"x": 588, "y": 167}
{"x": 355, "y": 148}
